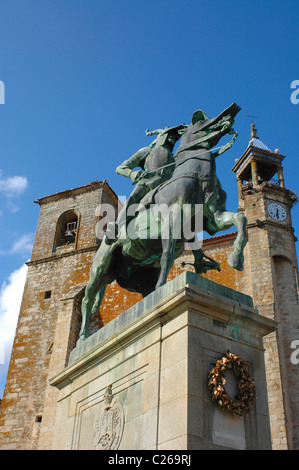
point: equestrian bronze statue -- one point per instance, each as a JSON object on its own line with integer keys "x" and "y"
{"x": 140, "y": 247}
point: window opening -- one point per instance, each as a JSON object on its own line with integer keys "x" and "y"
{"x": 66, "y": 230}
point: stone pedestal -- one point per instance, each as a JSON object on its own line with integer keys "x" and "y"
{"x": 140, "y": 382}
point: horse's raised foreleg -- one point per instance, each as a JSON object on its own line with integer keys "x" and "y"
{"x": 224, "y": 220}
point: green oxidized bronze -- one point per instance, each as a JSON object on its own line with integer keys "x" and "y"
{"x": 139, "y": 257}
{"x": 156, "y": 161}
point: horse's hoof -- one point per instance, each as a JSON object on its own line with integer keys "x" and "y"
{"x": 236, "y": 261}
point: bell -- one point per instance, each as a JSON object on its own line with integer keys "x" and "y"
{"x": 70, "y": 234}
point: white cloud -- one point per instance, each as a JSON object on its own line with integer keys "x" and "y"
{"x": 13, "y": 185}
{"x": 22, "y": 246}
{"x": 12, "y": 207}
{"x": 11, "y": 293}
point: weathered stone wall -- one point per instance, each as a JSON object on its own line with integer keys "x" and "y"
{"x": 45, "y": 327}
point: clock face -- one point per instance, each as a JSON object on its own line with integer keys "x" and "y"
{"x": 276, "y": 211}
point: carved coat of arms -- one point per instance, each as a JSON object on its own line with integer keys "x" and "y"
{"x": 109, "y": 427}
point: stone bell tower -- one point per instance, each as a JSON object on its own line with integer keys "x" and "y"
{"x": 272, "y": 278}
{"x": 50, "y": 317}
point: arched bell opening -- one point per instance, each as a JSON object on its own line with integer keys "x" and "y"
{"x": 66, "y": 229}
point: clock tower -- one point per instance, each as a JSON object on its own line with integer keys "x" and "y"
{"x": 271, "y": 278}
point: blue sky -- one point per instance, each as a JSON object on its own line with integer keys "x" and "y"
{"x": 85, "y": 78}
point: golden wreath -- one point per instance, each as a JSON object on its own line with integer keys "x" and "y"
{"x": 246, "y": 388}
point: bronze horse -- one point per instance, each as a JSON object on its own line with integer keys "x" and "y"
{"x": 141, "y": 263}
